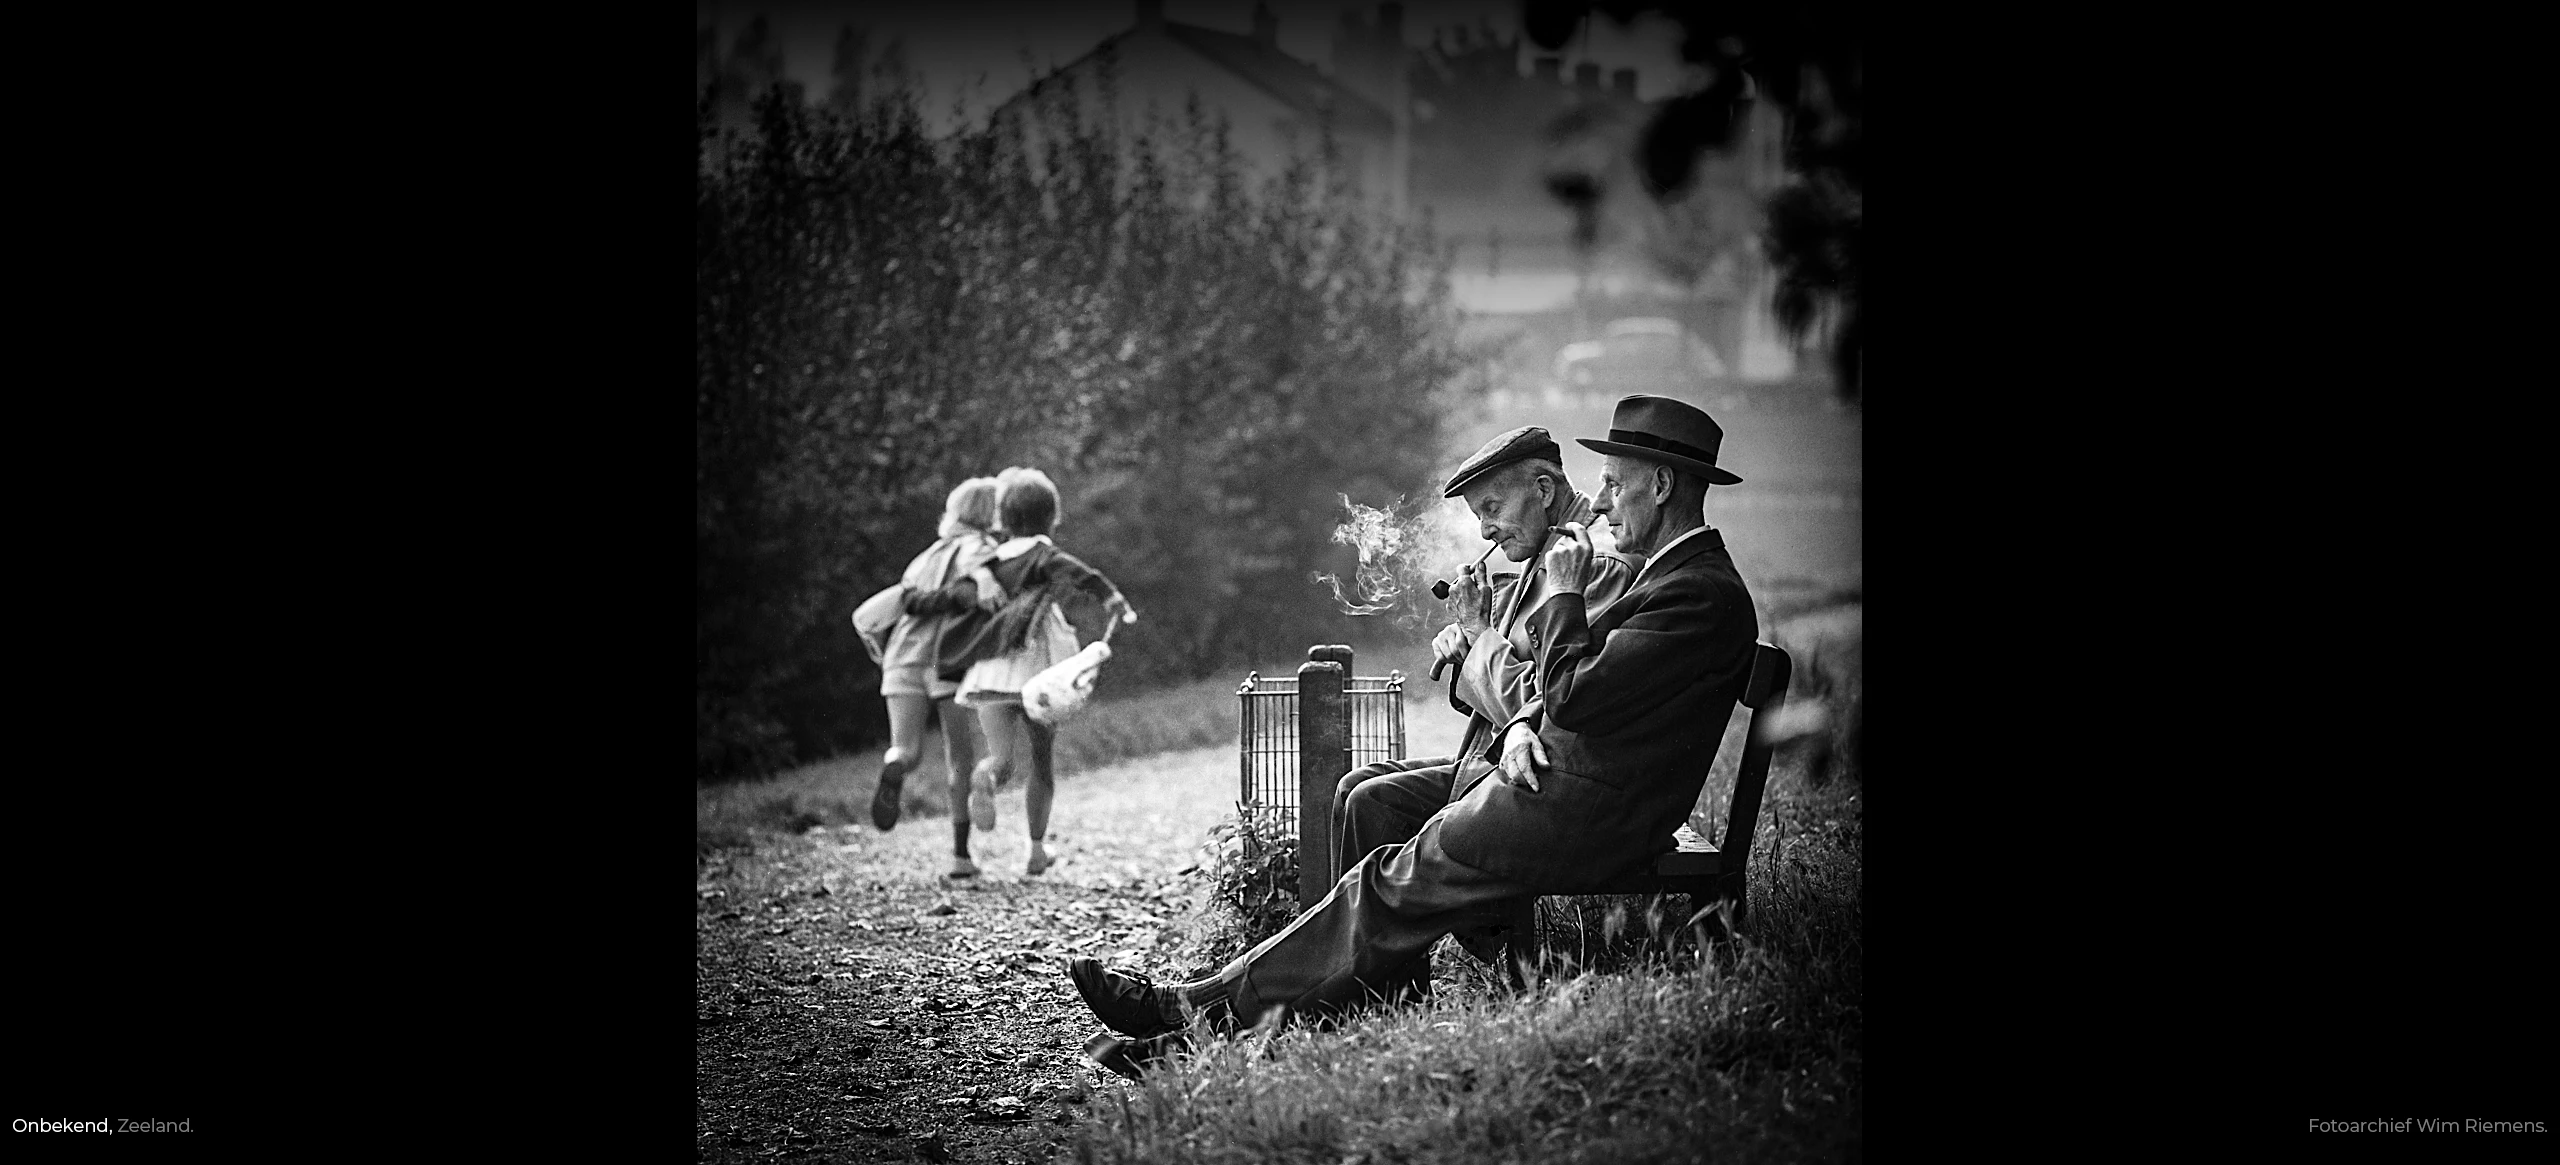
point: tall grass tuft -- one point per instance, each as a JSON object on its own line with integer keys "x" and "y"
{"x": 1639, "y": 1046}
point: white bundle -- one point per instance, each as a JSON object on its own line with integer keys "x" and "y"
{"x": 1063, "y": 687}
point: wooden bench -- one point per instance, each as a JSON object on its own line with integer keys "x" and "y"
{"x": 1706, "y": 871}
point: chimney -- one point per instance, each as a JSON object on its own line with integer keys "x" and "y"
{"x": 1586, "y": 77}
{"x": 1549, "y": 68}
{"x": 1150, "y": 13}
{"x": 1266, "y": 27}
{"x": 1624, "y": 81}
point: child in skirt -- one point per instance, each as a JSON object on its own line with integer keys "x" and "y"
{"x": 1031, "y": 634}
{"x": 908, "y": 679}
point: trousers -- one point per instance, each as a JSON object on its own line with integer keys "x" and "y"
{"x": 1385, "y": 804}
{"x": 1361, "y": 940}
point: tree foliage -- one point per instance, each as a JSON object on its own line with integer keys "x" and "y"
{"x": 1201, "y": 362}
{"x": 1809, "y": 60}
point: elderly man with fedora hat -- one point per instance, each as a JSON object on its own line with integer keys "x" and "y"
{"x": 1590, "y": 777}
{"x": 1516, "y": 489}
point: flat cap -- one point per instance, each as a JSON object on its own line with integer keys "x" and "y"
{"x": 1524, "y": 442}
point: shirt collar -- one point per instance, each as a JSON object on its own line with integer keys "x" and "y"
{"x": 1016, "y": 547}
{"x": 1665, "y": 552}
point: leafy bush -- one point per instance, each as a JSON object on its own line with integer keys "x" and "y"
{"x": 1201, "y": 368}
{"x": 1828, "y": 693}
{"x": 1251, "y": 870}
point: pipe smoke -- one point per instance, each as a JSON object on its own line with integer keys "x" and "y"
{"x": 1402, "y": 548}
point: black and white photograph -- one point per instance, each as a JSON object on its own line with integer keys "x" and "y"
{"x": 1278, "y": 580}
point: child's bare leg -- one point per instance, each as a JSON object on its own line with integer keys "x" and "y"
{"x": 999, "y": 724}
{"x": 1039, "y": 792}
{"x": 906, "y": 748}
{"x": 960, "y": 748}
{"x": 907, "y": 726}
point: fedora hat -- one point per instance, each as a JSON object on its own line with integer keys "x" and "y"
{"x": 1675, "y": 433}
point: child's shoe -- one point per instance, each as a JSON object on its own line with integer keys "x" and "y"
{"x": 894, "y": 767}
{"x": 982, "y": 801}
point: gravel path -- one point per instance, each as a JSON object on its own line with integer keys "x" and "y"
{"x": 852, "y": 1006}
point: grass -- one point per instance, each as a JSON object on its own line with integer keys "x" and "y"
{"x": 838, "y": 791}
{"x": 1641, "y": 1046}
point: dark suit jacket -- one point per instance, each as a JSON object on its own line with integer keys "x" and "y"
{"x": 1632, "y": 704}
{"x": 1500, "y": 672}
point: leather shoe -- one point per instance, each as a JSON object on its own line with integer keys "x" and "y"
{"x": 1124, "y": 1003}
{"x": 1131, "y": 1057}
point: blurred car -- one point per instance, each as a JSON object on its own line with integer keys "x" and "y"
{"x": 1643, "y": 354}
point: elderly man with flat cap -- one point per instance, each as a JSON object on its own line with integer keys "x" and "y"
{"x": 1517, "y": 491}
{"x": 1592, "y": 775}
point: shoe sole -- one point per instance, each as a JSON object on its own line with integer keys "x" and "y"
{"x": 1111, "y": 1053}
{"x": 1126, "y": 1056}
{"x": 885, "y": 798}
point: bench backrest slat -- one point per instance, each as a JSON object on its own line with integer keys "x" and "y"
{"x": 1766, "y": 695}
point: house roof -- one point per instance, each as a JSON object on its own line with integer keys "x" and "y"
{"x": 1293, "y": 82}
{"x": 1290, "y": 81}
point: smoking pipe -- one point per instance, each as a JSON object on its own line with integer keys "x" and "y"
{"x": 1440, "y": 588}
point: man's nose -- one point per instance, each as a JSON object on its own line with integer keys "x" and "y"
{"x": 1488, "y": 532}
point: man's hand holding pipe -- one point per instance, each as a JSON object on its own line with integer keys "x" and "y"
{"x": 1466, "y": 601}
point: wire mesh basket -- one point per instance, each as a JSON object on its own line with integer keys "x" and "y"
{"x": 1269, "y": 745}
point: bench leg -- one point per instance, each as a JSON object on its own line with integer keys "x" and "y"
{"x": 1732, "y": 895}
{"x": 1711, "y": 927}
{"x": 1520, "y": 943}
